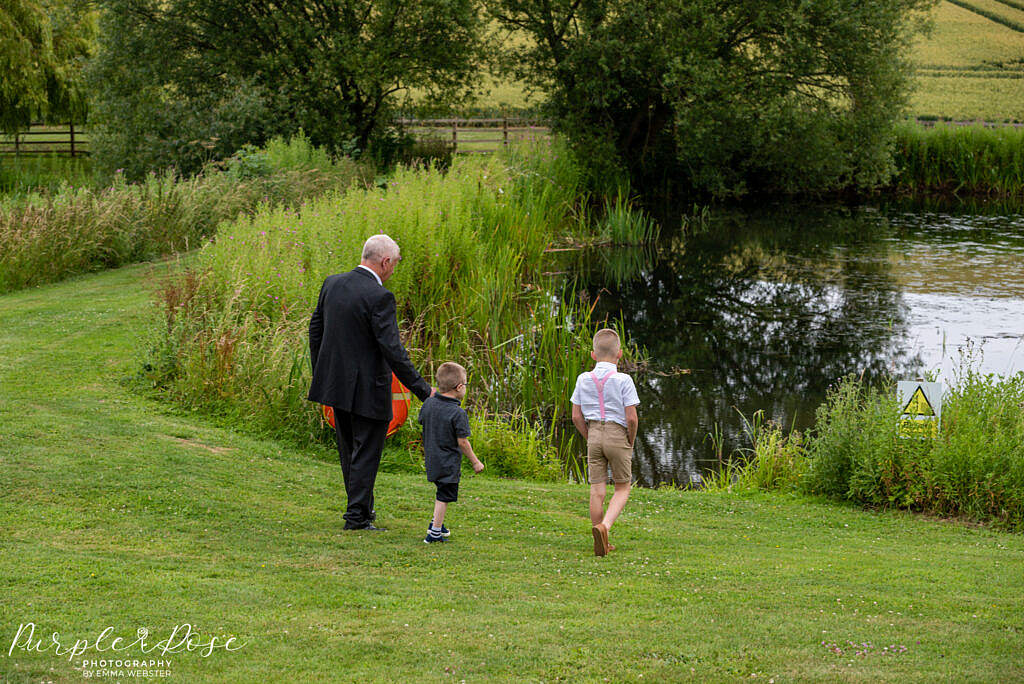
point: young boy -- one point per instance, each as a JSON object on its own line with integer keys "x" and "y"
{"x": 445, "y": 441}
{"x": 604, "y": 411}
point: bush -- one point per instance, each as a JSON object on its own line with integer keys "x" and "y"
{"x": 974, "y": 468}
{"x": 514, "y": 447}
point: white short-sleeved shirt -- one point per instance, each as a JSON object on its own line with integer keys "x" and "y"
{"x": 619, "y": 392}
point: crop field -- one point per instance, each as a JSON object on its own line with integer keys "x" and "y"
{"x": 971, "y": 66}
{"x": 965, "y": 40}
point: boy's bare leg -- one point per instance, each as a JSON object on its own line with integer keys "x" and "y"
{"x": 597, "y": 494}
{"x": 619, "y": 498}
{"x": 440, "y": 508}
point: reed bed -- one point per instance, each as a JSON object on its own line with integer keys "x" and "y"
{"x": 47, "y": 237}
{"x": 960, "y": 160}
{"x": 974, "y": 469}
{"x": 232, "y": 334}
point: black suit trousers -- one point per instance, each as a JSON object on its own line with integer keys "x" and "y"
{"x": 360, "y": 443}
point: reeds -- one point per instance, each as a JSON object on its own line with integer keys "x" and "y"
{"x": 960, "y": 160}
{"x": 468, "y": 288}
{"x": 77, "y": 230}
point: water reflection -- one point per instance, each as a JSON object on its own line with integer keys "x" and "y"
{"x": 765, "y": 311}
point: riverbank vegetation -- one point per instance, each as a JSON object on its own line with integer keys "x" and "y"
{"x": 959, "y": 161}
{"x": 49, "y": 236}
{"x": 974, "y": 469}
{"x": 232, "y": 333}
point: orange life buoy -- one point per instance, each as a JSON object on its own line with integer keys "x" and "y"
{"x": 401, "y": 399}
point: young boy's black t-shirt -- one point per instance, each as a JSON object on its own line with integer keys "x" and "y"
{"x": 444, "y": 421}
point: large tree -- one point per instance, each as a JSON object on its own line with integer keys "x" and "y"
{"x": 332, "y": 67}
{"x": 43, "y": 46}
{"x": 723, "y": 96}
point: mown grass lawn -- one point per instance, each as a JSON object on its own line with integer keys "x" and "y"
{"x": 118, "y": 511}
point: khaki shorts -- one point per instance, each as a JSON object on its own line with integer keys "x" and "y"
{"x": 606, "y": 446}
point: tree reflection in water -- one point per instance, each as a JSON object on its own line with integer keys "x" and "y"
{"x": 765, "y": 311}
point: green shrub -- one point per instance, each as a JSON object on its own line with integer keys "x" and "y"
{"x": 974, "y": 468}
{"x": 514, "y": 447}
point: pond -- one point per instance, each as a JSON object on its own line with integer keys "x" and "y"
{"x": 763, "y": 311}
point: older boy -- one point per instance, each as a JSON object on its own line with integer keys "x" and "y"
{"x": 604, "y": 412}
{"x": 445, "y": 441}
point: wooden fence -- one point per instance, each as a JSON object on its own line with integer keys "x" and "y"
{"x": 476, "y": 135}
{"x": 65, "y": 140}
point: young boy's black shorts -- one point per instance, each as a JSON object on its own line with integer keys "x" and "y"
{"x": 447, "y": 492}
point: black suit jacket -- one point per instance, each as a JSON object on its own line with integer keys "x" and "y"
{"x": 354, "y": 346}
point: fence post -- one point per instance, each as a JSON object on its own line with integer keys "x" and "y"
{"x": 504, "y": 130}
{"x": 455, "y": 135}
{"x": 72, "y": 127}
{"x": 17, "y": 151}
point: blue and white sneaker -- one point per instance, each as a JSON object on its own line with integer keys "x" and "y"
{"x": 445, "y": 532}
{"x": 433, "y": 537}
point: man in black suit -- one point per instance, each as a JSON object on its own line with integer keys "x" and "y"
{"x": 354, "y": 346}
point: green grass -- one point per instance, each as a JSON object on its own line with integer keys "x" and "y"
{"x": 120, "y": 512}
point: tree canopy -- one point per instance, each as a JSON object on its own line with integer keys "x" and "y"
{"x": 44, "y": 47}
{"x": 723, "y": 96}
{"x": 219, "y": 70}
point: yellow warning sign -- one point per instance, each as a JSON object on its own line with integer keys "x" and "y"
{"x": 918, "y": 405}
{"x": 922, "y": 408}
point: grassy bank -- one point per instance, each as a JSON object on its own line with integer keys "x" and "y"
{"x": 232, "y": 335}
{"x": 118, "y": 512}
{"x": 974, "y": 469}
{"x": 46, "y": 237}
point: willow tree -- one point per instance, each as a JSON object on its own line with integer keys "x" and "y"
{"x": 724, "y": 96}
{"x": 42, "y": 53}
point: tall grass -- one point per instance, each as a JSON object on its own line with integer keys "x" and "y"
{"x": 24, "y": 177}
{"x": 974, "y": 469}
{"x": 232, "y": 336}
{"x": 81, "y": 229}
{"x": 965, "y": 160}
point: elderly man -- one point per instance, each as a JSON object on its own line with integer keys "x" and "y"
{"x": 354, "y": 346}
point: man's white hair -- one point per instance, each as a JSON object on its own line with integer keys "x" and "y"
{"x": 377, "y": 247}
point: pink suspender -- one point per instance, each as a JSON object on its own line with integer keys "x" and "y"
{"x": 600, "y": 388}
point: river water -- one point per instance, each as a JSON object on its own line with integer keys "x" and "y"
{"x": 765, "y": 310}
